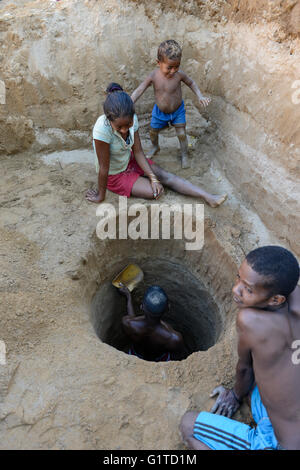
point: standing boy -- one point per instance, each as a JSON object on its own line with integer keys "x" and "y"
{"x": 169, "y": 107}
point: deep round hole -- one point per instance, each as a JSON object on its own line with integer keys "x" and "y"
{"x": 193, "y": 312}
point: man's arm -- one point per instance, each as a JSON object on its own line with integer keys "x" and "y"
{"x": 125, "y": 291}
{"x": 203, "y": 100}
{"x": 142, "y": 87}
{"x": 229, "y": 401}
{"x": 244, "y": 369}
{"x": 129, "y": 324}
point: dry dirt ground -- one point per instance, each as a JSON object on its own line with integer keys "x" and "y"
{"x": 61, "y": 387}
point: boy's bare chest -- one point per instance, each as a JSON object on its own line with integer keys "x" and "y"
{"x": 167, "y": 86}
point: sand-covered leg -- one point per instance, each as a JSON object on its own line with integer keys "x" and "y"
{"x": 181, "y": 134}
{"x": 154, "y": 140}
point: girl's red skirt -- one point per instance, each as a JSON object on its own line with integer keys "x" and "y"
{"x": 122, "y": 183}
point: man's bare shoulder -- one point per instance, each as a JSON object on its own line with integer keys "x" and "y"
{"x": 294, "y": 301}
{"x": 246, "y": 316}
{"x": 255, "y": 324}
{"x": 250, "y": 320}
{"x": 133, "y": 322}
{"x": 176, "y": 341}
{"x": 174, "y": 338}
{"x": 246, "y": 325}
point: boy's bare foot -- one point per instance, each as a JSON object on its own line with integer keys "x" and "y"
{"x": 216, "y": 201}
{"x": 185, "y": 161}
{"x": 154, "y": 150}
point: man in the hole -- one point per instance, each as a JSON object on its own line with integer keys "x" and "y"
{"x": 152, "y": 338}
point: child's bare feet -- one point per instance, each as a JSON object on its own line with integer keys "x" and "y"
{"x": 216, "y": 201}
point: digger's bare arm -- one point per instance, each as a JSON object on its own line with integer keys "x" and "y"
{"x": 125, "y": 291}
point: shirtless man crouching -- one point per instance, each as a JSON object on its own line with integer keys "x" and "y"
{"x": 268, "y": 327}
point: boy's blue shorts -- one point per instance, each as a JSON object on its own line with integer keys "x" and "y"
{"x": 221, "y": 433}
{"x": 160, "y": 119}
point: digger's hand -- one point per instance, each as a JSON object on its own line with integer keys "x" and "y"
{"x": 226, "y": 404}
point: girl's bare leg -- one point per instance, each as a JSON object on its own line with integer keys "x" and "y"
{"x": 142, "y": 188}
{"x": 183, "y": 186}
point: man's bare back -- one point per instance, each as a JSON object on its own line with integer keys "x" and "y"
{"x": 150, "y": 336}
{"x": 271, "y": 335}
{"x": 267, "y": 330}
{"x": 151, "y": 341}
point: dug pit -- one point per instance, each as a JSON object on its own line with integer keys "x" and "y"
{"x": 192, "y": 312}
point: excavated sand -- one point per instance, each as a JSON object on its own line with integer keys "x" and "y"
{"x": 62, "y": 387}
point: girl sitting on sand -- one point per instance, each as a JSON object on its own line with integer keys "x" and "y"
{"x": 120, "y": 161}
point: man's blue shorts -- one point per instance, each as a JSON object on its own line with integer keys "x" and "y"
{"x": 160, "y": 119}
{"x": 221, "y": 433}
